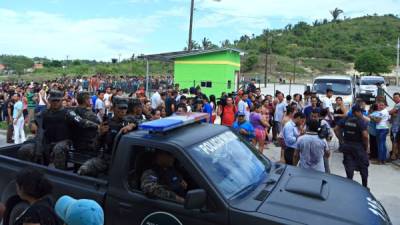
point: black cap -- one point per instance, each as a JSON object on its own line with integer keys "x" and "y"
{"x": 356, "y": 108}
{"x": 120, "y": 102}
{"x": 56, "y": 95}
{"x": 82, "y": 94}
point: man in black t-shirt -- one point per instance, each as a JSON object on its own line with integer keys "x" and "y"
{"x": 170, "y": 102}
{"x": 10, "y": 108}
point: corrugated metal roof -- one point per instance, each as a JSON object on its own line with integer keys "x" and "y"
{"x": 169, "y": 56}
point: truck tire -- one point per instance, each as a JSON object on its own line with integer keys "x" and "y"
{"x": 16, "y": 211}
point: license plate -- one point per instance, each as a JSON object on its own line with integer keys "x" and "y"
{"x": 372, "y": 99}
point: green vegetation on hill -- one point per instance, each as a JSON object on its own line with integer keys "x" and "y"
{"x": 343, "y": 39}
{"x": 320, "y": 48}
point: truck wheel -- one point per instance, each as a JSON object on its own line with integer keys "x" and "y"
{"x": 16, "y": 211}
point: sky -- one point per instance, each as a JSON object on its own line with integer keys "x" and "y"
{"x": 101, "y": 30}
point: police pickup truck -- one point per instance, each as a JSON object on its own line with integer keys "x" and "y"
{"x": 228, "y": 182}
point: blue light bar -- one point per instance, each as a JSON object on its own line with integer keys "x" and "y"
{"x": 173, "y": 122}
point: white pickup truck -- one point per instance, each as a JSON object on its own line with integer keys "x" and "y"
{"x": 368, "y": 87}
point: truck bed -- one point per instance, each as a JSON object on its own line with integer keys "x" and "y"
{"x": 64, "y": 182}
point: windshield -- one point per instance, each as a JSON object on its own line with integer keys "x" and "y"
{"x": 339, "y": 87}
{"x": 230, "y": 163}
{"x": 372, "y": 81}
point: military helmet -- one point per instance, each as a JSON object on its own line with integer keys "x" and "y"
{"x": 56, "y": 95}
{"x": 120, "y": 102}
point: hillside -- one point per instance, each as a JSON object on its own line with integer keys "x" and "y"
{"x": 324, "y": 46}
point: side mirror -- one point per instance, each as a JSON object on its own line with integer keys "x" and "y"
{"x": 358, "y": 83}
{"x": 387, "y": 85}
{"x": 195, "y": 199}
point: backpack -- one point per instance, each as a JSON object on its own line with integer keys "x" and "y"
{"x": 323, "y": 132}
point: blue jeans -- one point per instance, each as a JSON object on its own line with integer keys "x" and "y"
{"x": 40, "y": 108}
{"x": 381, "y": 135}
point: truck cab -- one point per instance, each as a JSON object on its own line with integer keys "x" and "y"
{"x": 229, "y": 182}
{"x": 342, "y": 86}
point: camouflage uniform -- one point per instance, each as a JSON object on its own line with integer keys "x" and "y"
{"x": 98, "y": 165}
{"x": 84, "y": 124}
{"x": 27, "y": 150}
{"x": 162, "y": 183}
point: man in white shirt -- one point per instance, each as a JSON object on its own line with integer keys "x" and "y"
{"x": 280, "y": 110}
{"x": 100, "y": 106}
{"x": 244, "y": 107}
{"x": 18, "y": 120}
{"x": 156, "y": 100}
{"x": 327, "y": 101}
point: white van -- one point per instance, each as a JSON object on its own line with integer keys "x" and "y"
{"x": 341, "y": 85}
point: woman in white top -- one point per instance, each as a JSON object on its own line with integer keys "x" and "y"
{"x": 381, "y": 117}
{"x": 42, "y": 105}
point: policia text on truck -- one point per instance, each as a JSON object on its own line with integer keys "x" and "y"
{"x": 180, "y": 171}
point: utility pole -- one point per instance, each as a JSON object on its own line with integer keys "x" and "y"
{"x": 270, "y": 52}
{"x": 397, "y": 62}
{"x": 294, "y": 69}
{"x": 266, "y": 60}
{"x": 191, "y": 26}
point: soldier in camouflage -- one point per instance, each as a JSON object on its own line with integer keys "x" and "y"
{"x": 85, "y": 125}
{"x": 135, "y": 111}
{"x": 109, "y": 130}
{"x": 163, "y": 180}
{"x": 55, "y": 137}
{"x": 28, "y": 149}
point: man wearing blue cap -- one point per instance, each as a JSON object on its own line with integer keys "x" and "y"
{"x": 244, "y": 127}
{"x": 79, "y": 212}
{"x": 353, "y": 138}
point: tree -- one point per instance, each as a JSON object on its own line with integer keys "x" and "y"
{"x": 195, "y": 46}
{"x": 372, "y": 62}
{"x": 17, "y": 63}
{"x": 288, "y": 27}
{"x": 335, "y": 14}
{"x": 206, "y": 43}
{"x": 316, "y": 23}
{"x": 226, "y": 44}
{"x": 301, "y": 28}
{"x": 250, "y": 61}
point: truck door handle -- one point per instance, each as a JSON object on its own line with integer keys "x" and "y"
{"x": 125, "y": 205}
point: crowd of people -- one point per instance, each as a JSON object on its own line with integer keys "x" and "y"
{"x": 260, "y": 118}
{"x": 86, "y": 114}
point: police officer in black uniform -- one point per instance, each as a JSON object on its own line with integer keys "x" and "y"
{"x": 353, "y": 137}
{"x": 55, "y": 131}
{"x": 99, "y": 165}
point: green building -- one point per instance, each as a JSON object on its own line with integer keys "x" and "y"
{"x": 215, "y": 71}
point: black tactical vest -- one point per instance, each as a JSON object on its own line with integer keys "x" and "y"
{"x": 55, "y": 126}
{"x": 85, "y": 138}
{"x": 352, "y": 131}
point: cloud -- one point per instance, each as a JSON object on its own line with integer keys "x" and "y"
{"x": 36, "y": 33}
